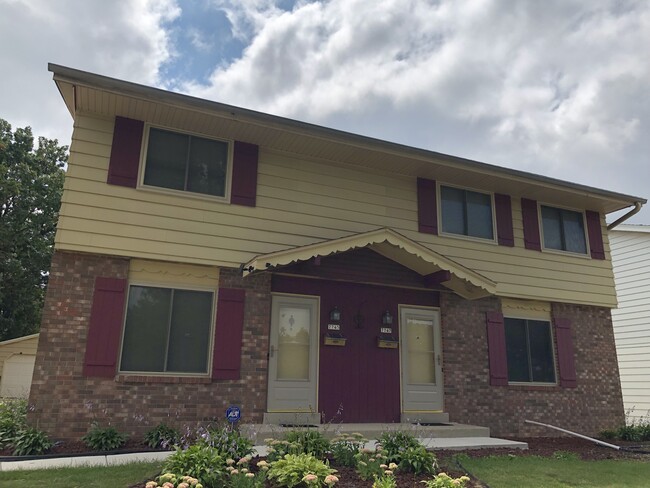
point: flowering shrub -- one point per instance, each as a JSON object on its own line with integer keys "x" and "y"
{"x": 170, "y": 480}
{"x": 443, "y": 480}
{"x": 198, "y": 461}
{"x": 294, "y": 469}
{"x": 241, "y": 475}
{"x": 345, "y": 446}
{"x": 386, "y": 480}
{"x": 370, "y": 464}
{"x": 277, "y": 448}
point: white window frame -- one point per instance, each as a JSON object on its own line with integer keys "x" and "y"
{"x": 441, "y": 232}
{"x": 166, "y": 285}
{"x": 185, "y": 193}
{"x": 586, "y": 254}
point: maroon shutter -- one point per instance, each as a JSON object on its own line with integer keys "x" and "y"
{"x": 105, "y": 327}
{"x": 427, "y": 206}
{"x": 125, "y": 152}
{"x": 496, "y": 336}
{"x": 228, "y": 334}
{"x": 244, "y": 174}
{"x": 595, "y": 235}
{"x": 531, "y": 224}
{"x": 565, "y": 357}
{"x": 503, "y": 209}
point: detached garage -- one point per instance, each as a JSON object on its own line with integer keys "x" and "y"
{"x": 17, "y": 366}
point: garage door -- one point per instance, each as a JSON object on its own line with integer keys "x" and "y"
{"x": 17, "y": 375}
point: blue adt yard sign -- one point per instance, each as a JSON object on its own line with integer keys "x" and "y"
{"x": 233, "y": 414}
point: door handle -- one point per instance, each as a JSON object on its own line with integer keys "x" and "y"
{"x": 271, "y": 351}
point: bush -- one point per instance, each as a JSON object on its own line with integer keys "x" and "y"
{"x": 162, "y": 436}
{"x": 294, "y": 468}
{"x": 104, "y": 438}
{"x": 345, "y": 447}
{"x": 418, "y": 460}
{"x": 242, "y": 477}
{"x": 369, "y": 464}
{"x": 228, "y": 441}
{"x": 309, "y": 442}
{"x": 198, "y": 461}
{"x": 13, "y": 419}
{"x": 278, "y": 448}
{"x": 443, "y": 480}
{"x": 394, "y": 443}
{"x": 31, "y": 442}
{"x": 170, "y": 478}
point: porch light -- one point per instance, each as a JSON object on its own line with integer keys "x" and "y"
{"x": 335, "y": 314}
{"x": 387, "y": 318}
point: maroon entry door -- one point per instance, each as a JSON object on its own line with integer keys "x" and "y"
{"x": 358, "y": 382}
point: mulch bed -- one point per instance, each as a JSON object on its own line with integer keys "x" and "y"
{"x": 540, "y": 446}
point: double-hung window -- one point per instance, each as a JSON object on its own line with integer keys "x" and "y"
{"x": 167, "y": 330}
{"x": 564, "y": 230}
{"x": 466, "y": 212}
{"x": 186, "y": 162}
{"x": 529, "y": 350}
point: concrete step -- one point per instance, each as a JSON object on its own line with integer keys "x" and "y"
{"x": 258, "y": 432}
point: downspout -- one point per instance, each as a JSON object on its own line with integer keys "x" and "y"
{"x": 634, "y": 211}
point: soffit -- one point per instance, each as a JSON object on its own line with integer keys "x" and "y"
{"x": 271, "y": 133}
{"x": 392, "y": 245}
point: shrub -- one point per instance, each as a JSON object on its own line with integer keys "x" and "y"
{"x": 242, "y": 477}
{"x": 418, "y": 460}
{"x": 162, "y": 436}
{"x": 228, "y": 441}
{"x": 345, "y": 447}
{"x": 198, "y": 461}
{"x": 394, "y": 443}
{"x": 309, "y": 442}
{"x": 164, "y": 480}
{"x": 369, "y": 464}
{"x": 31, "y": 442}
{"x": 13, "y": 419}
{"x": 386, "y": 480}
{"x": 104, "y": 438}
{"x": 443, "y": 480}
{"x": 294, "y": 469}
{"x": 278, "y": 448}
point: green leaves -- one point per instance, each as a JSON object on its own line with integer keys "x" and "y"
{"x": 104, "y": 438}
{"x": 31, "y": 184}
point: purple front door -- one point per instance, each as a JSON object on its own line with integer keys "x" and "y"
{"x": 358, "y": 382}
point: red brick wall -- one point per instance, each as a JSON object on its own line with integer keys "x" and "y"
{"x": 64, "y": 402}
{"x": 595, "y": 404}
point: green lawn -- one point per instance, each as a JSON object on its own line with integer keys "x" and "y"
{"x": 538, "y": 472}
{"x": 95, "y": 477}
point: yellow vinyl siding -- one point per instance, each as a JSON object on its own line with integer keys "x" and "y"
{"x": 173, "y": 274}
{"x": 300, "y": 201}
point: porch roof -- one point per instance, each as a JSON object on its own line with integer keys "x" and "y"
{"x": 392, "y": 245}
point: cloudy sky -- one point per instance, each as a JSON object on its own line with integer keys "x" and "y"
{"x": 555, "y": 87}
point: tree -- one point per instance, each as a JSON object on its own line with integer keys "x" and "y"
{"x": 31, "y": 183}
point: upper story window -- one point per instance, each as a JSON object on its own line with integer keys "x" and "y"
{"x": 563, "y": 229}
{"x": 529, "y": 350}
{"x": 466, "y": 212}
{"x": 167, "y": 330}
{"x": 185, "y": 162}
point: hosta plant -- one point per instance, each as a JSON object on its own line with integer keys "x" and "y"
{"x": 31, "y": 442}
{"x": 104, "y": 438}
{"x": 294, "y": 469}
{"x": 162, "y": 436}
{"x": 418, "y": 460}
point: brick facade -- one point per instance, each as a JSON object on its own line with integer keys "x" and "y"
{"x": 64, "y": 402}
{"x": 595, "y": 404}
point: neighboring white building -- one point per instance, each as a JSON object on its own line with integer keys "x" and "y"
{"x": 630, "y": 247}
{"x": 17, "y": 358}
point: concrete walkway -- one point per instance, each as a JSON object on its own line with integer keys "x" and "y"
{"x": 456, "y": 443}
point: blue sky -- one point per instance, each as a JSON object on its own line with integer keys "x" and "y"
{"x": 559, "y": 88}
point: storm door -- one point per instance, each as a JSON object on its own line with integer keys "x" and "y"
{"x": 293, "y": 354}
{"x": 421, "y": 361}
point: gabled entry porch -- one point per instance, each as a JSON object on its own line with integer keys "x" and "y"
{"x": 356, "y": 330}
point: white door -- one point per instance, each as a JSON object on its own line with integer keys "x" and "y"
{"x": 421, "y": 360}
{"x": 293, "y": 354}
{"x": 17, "y": 374}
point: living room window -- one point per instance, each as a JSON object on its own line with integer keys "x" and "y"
{"x": 167, "y": 330}
{"x": 466, "y": 212}
{"x": 529, "y": 350}
{"x": 185, "y": 162}
{"x": 564, "y": 230}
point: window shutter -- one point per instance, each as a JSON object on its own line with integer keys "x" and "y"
{"x": 565, "y": 357}
{"x": 244, "y": 174}
{"x": 228, "y": 334}
{"x": 427, "y": 206}
{"x": 496, "y": 336}
{"x": 531, "y": 224}
{"x": 503, "y": 209}
{"x": 105, "y": 327}
{"x": 595, "y": 235}
{"x": 125, "y": 152}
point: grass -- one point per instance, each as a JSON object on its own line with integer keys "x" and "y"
{"x": 90, "y": 477}
{"x": 524, "y": 472}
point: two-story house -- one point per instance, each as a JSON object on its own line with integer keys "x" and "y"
{"x": 208, "y": 255}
